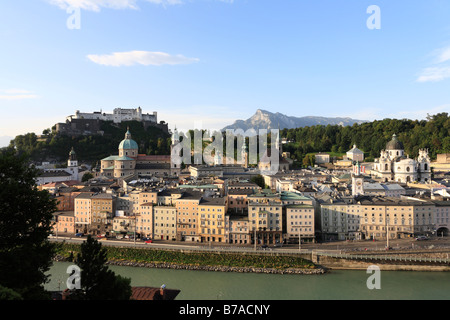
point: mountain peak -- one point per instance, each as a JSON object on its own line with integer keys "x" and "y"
{"x": 263, "y": 119}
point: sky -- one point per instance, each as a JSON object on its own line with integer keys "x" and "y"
{"x": 211, "y": 62}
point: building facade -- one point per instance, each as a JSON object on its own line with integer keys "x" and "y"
{"x": 119, "y": 115}
{"x": 394, "y": 165}
{"x": 212, "y": 225}
{"x": 129, "y": 162}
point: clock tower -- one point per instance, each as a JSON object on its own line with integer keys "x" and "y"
{"x": 357, "y": 180}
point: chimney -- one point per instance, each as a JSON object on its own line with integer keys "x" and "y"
{"x": 161, "y": 291}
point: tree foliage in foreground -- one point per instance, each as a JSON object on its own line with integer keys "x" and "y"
{"x": 97, "y": 281}
{"x": 26, "y": 216}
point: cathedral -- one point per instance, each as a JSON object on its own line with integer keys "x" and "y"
{"x": 394, "y": 166}
{"x": 130, "y": 163}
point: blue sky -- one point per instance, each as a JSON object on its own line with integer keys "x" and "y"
{"x": 215, "y": 61}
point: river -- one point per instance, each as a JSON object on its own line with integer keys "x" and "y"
{"x": 336, "y": 285}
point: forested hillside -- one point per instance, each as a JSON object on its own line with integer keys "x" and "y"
{"x": 371, "y": 137}
{"x": 92, "y": 148}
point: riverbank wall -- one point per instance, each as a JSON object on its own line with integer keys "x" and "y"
{"x": 305, "y": 271}
{"x": 332, "y": 263}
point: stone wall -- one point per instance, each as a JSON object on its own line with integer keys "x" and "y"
{"x": 336, "y": 263}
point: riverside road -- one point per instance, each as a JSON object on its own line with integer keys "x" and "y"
{"x": 336, "y": 246}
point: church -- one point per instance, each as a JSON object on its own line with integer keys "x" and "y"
{"x": 71, "y": 173}
{"x": 129, "y": 162}
{"x": 394, "y": 166}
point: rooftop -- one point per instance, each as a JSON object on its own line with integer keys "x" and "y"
{"x": 213, "y": 201}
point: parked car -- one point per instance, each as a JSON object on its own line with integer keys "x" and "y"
{"x": 80, "y": 234}
{"x": 148, "y": 241}
{"x": 420, "y": 238}
{"x": 145, "y": 238}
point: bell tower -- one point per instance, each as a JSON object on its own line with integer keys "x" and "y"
{"x": 72, "y": 164}
{"x": 357, "y": 180}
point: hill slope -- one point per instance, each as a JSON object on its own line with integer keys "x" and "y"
{"x": 92, "y": 148}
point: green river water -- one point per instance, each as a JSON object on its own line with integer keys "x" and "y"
{"x": 336, "y": 285}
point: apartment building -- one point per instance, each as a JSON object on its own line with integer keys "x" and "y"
{"x": 383, "y": 217}
{"x": 300, "y": 223}
{"x": 239, "y": 231}
{"x": 188, "y": 216}
{"x": 339, "y": 219}
{"x": 65, "y": 198}
{"x": 102, "y": 212}
{"x": 265, "y": 214}
{"x": 442, "y": 215}
{"x": 212, "y": 219}
{"x": 237, "y": 199}
{"x": 82, "y": 212}
{"x": 64, "y": 222}
{"x": 147, "y": 196}
{"x": 164, "y": 222}
{"x": 124, "y": 226}
{"x": 144, "y": 220}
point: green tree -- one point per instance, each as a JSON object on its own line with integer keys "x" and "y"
{"x": 87, "y": 176}
{"x": 9, "y": 294}
{"x": 25, "y": 223}
{"x": 309, "y": 160}
{"x": 97, "y": 281}
{"x": 259, "y": 180}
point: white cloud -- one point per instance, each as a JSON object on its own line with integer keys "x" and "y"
{"x": 17, "y": 94}
{"x": 443, "y": 55}
{"x": 441, "y": 69}
{"x": 145, "y": 58}
{"x": 96, "y": 5}
{"x": 434, "y": 74}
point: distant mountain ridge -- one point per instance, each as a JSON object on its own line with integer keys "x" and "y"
{"x": 263, "y": 119}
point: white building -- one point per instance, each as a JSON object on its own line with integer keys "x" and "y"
{"x": 119, "y": 115}
{"x": 355, "y": 154}
{"x": 393, "y": 165}
{"x": 62, "y": 174}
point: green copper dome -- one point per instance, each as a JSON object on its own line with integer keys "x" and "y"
{"x": 394, "y": 144}
{"x": 128, "y": 143}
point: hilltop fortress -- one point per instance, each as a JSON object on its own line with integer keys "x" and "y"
{"x": 90, "y": 123}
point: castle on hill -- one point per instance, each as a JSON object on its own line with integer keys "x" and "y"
{"x": 85, "y": 123}
{"x": 119, "y": 115}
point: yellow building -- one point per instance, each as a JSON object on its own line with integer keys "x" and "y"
{"x": 187, "y": 216}
{"x": 212, "y": 219}
{"x": 265, "y": 214}
{"x": 82, "y": 212}
{"x": 300, "y": 222}
{"x": 164, "y": 222}
{"x": 376, "y": 217}
{"x": 144, "y": 223}
{"x": 102, "y": 213}
{"x": 397, "y": 218}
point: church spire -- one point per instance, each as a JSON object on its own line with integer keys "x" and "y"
{"x": 128, "y": 134}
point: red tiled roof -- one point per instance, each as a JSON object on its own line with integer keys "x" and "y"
{"x": 143, "y": 157}
{"x": 149, "y": 293}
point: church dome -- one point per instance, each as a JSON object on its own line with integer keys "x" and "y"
{"x": 394, "y": 144}
{"x": 128, "y": 143}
